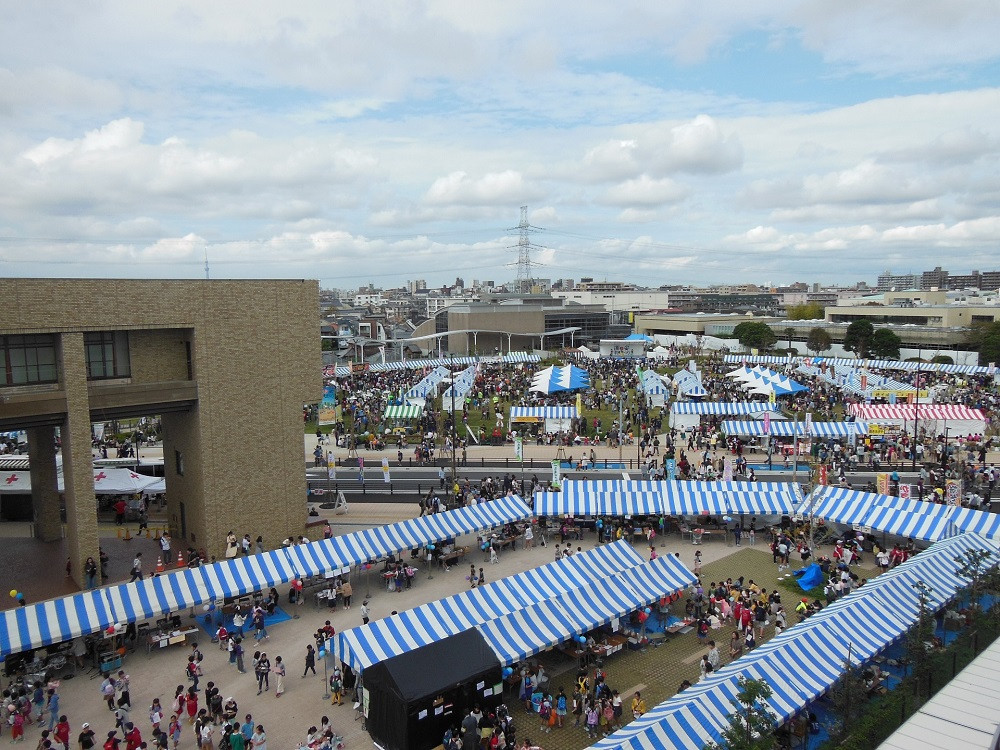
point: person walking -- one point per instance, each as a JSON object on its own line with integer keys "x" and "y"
{"x": 337, "y": 687}
{"x": 263, "y": 671}
{"x": 310, "y": 660}
{"x": 365, "y": 612}
{"x": 136, "y": 568}
{"x": 279, "y": 677}
{"x": 238, "y": 650}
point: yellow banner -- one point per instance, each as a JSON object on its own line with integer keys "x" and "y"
{"x": 882, "y": 483}
{"x": 903, "y": 394}
{"x": 579, "y": 404}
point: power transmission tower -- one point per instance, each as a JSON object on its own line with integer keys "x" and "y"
{"x": 524, "y": 262}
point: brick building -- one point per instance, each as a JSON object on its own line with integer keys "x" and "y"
{"x": 226, "y": 364}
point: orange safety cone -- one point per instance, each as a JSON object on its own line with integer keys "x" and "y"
{"x": 119, "y": 532}
{"x": 159, "y": 564}
{"x": 128, "y": 535}
{"x": 180, "y": 560}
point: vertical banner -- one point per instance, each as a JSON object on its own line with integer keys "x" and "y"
{"x": 331, "y": 466}
{"x": 519, "y": 448}
{"x": 692, "y": 365}
{"x": 671, "y": 469}
{"x": 556, "y": 466}
{"x": 328, "y": 406}
{"x": 361, "y": 470}
{"x": 808, "y": 430}
{"x": 727, "y": 469}
{"x": 905, "y": 491}
{"x": 953, "y": 491}
{"x": 385, "y": 471}
{"x": 579, "y": 404}
{"x": 822, "y": 475}
{"x": 767, "y": 423}
{"x": 892, "y": 398}
{"x": 864, "y": 382}
{"x": 882, "y": 483}
{"x": 772, "y": 398}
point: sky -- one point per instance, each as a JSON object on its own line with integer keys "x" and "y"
{"x": 379, "y": 142}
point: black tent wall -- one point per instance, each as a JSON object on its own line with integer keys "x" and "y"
{"x": 444, "y": 679}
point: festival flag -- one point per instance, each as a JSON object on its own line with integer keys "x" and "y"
{"x": 385, "y": 471}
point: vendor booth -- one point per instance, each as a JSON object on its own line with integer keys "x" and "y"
{"x": 685, "y": 415}
{"x": 552, "y": 418}
{"x": 935, "y": 419}
{"x": 411, "y": 699}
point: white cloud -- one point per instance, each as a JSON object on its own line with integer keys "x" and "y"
{"x": 645, "y": 191}
{"x": 459, "y": 188}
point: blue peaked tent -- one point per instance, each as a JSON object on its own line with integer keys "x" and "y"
{"x": 556, "y": 379}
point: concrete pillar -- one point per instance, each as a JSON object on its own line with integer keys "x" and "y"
{"x": 44, "y": 483}
{"x": 81, "y": 505}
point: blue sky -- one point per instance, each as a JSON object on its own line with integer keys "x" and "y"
{"x": 372, "y": 141}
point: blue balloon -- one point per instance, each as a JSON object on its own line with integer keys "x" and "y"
{"x": 485, "y": 546}
{"x": 322, "y": 652}
{"x": 647, "y": 610}
{"x": 431, "y": 546}
{"x": 582, "y": 639}
{"x": 211, "y": 607}
{"x": 20, "y": 596}
{"x": 507, "y": 671}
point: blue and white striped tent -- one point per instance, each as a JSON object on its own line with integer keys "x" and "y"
{"x": 151, "y": 597}
{"x": 53, "y": 621}
{"x": 883, "y": 364}
{"x": 535, "y": 413}
{"x": 380, "y": 541}
{"x": 428, "y": 385}
{"x": 363, "y": 646}
{"x": 729, "y": 498}
{"x": 911, "y": 518}
{"x": 529, "y": 630}
{"x": 790, "y": 429}
{"x": 977, "y": 522}
{"x": 243, "y": 575}
{"x": 461, "y": 384}
{"x": 558, "y": 379}
{"x": 838, "y": 505}
{"x": 598, "y": 504}
{"x": 518, "y": 357}
{"x": 807, "y": 660}
{"x": 722, "y": 408}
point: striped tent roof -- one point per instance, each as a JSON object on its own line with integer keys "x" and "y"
{"x": 598, "y": 504}
{"x": 722, "y": 407}
{"x": 542, "y": 625}
{"x": 371, "y": 544}
{"x": 543, "y": 412}
{"x": 789, "y": 429}
{"x": 363, "y": 646}
{"x": 806, "y": 660}
{"x": 911, "y": 518}
{"x": 735, "y": 498}
{"x": 884, "y": 364}
{"x": 154, "y": 596}
{"x": 839, "y": 505}
{"x": 403, "y": 411}
{"x": 873, "y": 412}
{"x": 53, "y": 621}
{"x": 243, "y": 575}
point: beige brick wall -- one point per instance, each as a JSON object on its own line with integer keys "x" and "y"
{"x": 256, "y": 360}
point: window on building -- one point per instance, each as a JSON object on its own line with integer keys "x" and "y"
{"x": 29, "y": 359}
{"x": 107, "y": 354}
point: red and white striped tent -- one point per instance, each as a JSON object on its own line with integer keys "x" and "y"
{"x": 935, "y": 418}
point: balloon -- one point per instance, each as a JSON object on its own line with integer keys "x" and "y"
{"x": 20, "y": 596}
{"x": 727, "y": 518}
{"x": 207, "y": 608}
{"x": 13, "y": 593}
{"x": 484, "y": 546}
{"x": 582, "y": 639}
{"x": 647, "y": 610}
{"x": 211, "y": 607}
{"x": 431, "y": 547}
{"x": 111, "y": 629}
{"x": 322, "y": 652}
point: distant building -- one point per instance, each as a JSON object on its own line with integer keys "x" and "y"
{"x": 887, "y": 281}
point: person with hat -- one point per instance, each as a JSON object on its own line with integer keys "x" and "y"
{"x": 86, "y": 737}
{"x": 337, "y": 687}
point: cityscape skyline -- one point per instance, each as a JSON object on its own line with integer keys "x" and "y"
{"x": 679, "y": 144}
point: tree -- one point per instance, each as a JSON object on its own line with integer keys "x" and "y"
{"x": 919, "y": 635}
{"x": 751, "y": 725}
{"x": 789, "y": 332}
{"x": 818, "y": 340}
{"x": 755, "y": 335}
{"x": 806, "y": 311}
{"x": 858, "y": 338}
{"x": 849, "y": 698}
{"x": 885, "y": 344}
{"x": 989, "y": 344}
{"x": 980, "y": 567}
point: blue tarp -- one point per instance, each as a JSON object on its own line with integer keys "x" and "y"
{"x": 809, "y": 577}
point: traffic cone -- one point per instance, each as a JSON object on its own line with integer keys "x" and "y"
{"x": 159, "y": 564}
{"x": 128, "y": 535}
{"x": 180, "y": 560}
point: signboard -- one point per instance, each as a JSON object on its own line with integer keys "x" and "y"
{"x": 882, "y": 483}
{"x": 727, "y": 470}
{"x": 385, "y": 471}
{"x": 893, "y": 395}
{"x": 556, "y": 466}
{"x": 821, "y": 479}
{"x": 905, "y": 491}
{"x": 359, "y": 367}
{"x": 519, "y": 448}
{"x": 671, "y": 467}
{"x": 328, "y": 405}
{"x": 884, "y": 430}
{"x": 953, "y": 491}
{"x": 767, "y": 423}
{"x": 809, "y": 423}
{"x": 331, "y": 466}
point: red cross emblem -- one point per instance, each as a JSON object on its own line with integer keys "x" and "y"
{"x": 99, "y": 476}
{"x": 133, "y": 475}
{"x": 11, "y": 479}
